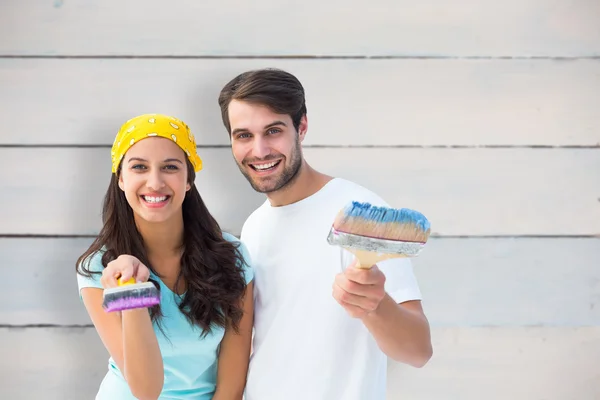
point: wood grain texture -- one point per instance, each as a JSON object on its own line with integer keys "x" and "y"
{"x": 504, "y": 363}
{"x": 388, "y": 28}
{"x": 510, "y": 282}
{"x": 51, "y": 363}
{"x": 350, "y": 102}
{"x": 468, "y": 364}
{"x": 465, "y": 282}
{"x": 462, "y": 191}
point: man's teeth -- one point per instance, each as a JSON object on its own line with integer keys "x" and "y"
{"x": 154, "y": 199}
{"x": 262, "y": 167}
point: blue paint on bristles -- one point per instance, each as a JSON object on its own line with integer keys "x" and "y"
{"x": 365, "y": 219}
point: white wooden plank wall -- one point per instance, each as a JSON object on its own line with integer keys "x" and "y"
{"x": 482, "y": 114}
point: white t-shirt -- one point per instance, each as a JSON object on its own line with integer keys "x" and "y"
{"x": 306, "y": 346}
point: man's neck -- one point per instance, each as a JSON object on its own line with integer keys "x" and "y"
{"x": 305, "y": 184}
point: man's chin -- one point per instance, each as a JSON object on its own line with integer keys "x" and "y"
{"x": 265, "y": 186}
{"x": 262, "y": 188}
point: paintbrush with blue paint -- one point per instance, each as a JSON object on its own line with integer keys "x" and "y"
{"x": 374, "y": 234}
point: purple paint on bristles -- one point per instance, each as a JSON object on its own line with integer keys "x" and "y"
{"x": 131, "y": 303}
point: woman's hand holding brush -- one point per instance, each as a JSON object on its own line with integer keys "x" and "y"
{"x": 126, "y": 286}
{"x": 124, "y": 268}
{"x": 128, "y": 291}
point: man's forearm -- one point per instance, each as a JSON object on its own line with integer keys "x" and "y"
{"x": 402, "y": 334}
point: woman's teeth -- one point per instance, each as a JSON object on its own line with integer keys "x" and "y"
{"x": 151, "y": 199}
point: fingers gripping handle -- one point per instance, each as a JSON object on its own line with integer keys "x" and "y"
{"x": 130, "y": 281}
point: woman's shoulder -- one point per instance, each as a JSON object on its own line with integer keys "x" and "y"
{"x": 93, "y": 261}
{"x": 237, "y": 242}
{"x": 246, "y": 261}
{"x": 228, "y": 236}
{"x": 90, "y": 269}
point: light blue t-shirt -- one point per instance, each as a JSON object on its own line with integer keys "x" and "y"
{"x": 190, "y": 361}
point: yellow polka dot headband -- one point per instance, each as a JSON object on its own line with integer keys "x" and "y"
{"x": 154, "y": 125}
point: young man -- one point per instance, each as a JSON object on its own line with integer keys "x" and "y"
{"x": 323, "y": 328}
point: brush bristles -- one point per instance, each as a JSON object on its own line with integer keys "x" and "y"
{"x": 128, "y": 297}
{"x": 367, "y": 220}
{"x": 374, "y": 245}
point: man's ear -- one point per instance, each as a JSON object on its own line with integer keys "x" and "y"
{"x": 303, "y": 127}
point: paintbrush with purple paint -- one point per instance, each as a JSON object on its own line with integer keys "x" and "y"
{"x": 130, "y": 295}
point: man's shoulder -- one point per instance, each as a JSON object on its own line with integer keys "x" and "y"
{"x": 255, "y": 216}
{"x": 348, "y": 190}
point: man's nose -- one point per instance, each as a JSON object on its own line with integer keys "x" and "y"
{"x": 260, "y": 148}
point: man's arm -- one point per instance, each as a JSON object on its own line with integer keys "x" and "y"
{"x": 401, "y": 330}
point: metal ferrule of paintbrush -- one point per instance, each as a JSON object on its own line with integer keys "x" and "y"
{"x": 374, "y": 245}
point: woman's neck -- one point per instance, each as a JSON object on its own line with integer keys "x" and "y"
{"x": 163, "y": 242}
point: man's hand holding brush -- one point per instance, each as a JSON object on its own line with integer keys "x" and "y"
{"x": 400, "y": 330}
{"x": 360, "y": 291}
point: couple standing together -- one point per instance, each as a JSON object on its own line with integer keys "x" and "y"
{"x": 278, "y": 314}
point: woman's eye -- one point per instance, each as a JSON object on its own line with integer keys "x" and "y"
{"x": 171, "y": 167}
{"x": 139, "y": 167}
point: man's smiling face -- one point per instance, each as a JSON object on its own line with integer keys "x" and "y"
{"x": 265, "y": 145}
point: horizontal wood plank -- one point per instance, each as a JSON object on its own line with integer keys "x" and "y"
{"x": 350, "y": 102}
{"x": 504, "y": 363}
{"x": 465, "y": 282}
{"x": 468, "y": 364}
{"x": 51, "y": 363}
{"x": 510, "y": 282}
{"x": 462, "y": 191}
{"x": 314, "y": 28}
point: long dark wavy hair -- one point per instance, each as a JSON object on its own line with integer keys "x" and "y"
{"x": 211, "y": 266}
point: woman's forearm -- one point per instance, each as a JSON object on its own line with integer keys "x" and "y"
{"x": 142, "y": 359}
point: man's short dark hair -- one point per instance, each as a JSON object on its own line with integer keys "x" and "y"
{"x": 276, "y": 89}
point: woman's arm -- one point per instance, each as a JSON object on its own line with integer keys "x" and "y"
{"x": 235, "y": 354}
{"x": 130, "y": 339}
{"x": 128, "y": 335}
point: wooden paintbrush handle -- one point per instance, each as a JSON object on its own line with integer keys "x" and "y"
{"x": 367, "y": 259}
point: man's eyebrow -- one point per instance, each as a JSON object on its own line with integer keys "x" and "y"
{"x": 272, "y": 124}
{"x": 275, "y": 123}
{"x": 238, "y": 130}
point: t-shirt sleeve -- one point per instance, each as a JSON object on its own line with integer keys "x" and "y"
{"x": 93, "y": 264}
{"x": 247, "y": 263}
{"x": 400, "y": 281}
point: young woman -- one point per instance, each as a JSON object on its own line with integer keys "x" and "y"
{"x": 196, "y": 343}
